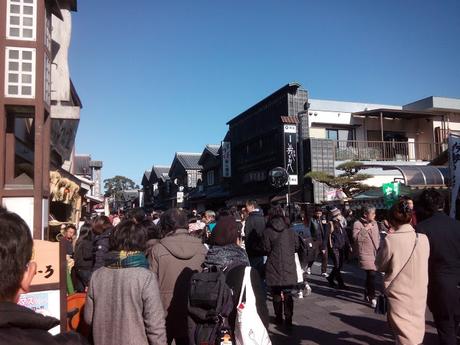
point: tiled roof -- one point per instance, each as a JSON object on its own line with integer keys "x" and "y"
{"x": 160, "y": 170}
{"x": 81, "y": 165}
{"x": 147, "y": 174}
{"x": 214, "y": 149}
{"x": 189, "y": 160}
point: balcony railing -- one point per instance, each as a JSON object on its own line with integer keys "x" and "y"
{"x": 386, "y": 150}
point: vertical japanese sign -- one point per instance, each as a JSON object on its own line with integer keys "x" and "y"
{"x": 290, "y": 152}
{"x": 454, "y": 169}
{"x": 226, "y": 159}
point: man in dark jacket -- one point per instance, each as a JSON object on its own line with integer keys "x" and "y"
{"x": 281, "y": 243}
{"x": 18, "y": 324}
{"x": 318, "y": 234}
{"x": 254, "y": 229}
{"x": 443, "y": 233}
{"x": 337, "y": 240}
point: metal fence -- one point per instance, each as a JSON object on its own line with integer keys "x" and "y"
{"x": 386, "y": 150}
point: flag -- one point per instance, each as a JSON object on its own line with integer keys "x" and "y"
{"x": 390, "y": 193}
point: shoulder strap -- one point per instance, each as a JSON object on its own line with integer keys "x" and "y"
{"x": 402, "y": 269}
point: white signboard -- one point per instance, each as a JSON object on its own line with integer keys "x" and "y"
{"x": 180, "y": 197}
{"x": 290, "y": 153}
{"x": 454, "y": 168}
{"x": 46, "y": 303}
{"x": 226, "y": 159}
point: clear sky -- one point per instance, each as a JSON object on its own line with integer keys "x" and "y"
{"x": 157, "y": 77}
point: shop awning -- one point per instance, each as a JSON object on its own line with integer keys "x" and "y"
{"x": 420, "y": 176}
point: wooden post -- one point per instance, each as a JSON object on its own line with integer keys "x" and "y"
{"x": 381, "y": 126}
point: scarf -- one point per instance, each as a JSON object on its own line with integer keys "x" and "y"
{"x": 124, "y": 259}
{"x": 223, "y": 257}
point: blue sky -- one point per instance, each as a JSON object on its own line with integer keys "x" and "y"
{"x": 157, "y": 77}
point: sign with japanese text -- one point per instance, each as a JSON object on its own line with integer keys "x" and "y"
{"x": 226, "y": 159}
{"x": 46, "y": 303}
{"x": 46, "y": 255}
{"x": 454, "y": 169}
{"x": 290, "y": 153}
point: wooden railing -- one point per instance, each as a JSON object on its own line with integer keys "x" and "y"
{"x": 386, "y": 150}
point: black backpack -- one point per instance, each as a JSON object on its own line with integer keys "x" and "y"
{"x": 210, "y": 303}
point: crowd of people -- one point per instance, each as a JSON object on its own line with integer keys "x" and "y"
{"x": 178, "y": 276}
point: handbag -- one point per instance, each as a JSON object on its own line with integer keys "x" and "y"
{"x": 382, "y": 300}
{"x": 249, "y": 328}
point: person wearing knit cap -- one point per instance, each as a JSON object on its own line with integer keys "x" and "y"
{"x": 339, "y": 243}
{"x": 226, "y": 254}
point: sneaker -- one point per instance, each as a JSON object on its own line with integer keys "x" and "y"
{"x": 307, "y": 290}
{"x": 374, "y": 303}
{"x": 300, "y": 294}
{"x": 308, "y": 270}
{"x": 325, "y": 275}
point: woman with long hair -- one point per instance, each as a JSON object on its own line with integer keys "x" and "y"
{"x": 403, "y": 257}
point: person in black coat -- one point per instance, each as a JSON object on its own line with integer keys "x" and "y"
{"x": 338, "y": 242}
{"x": 102, "y": 229}
{"x": 83, "y": 257}
{"x": 281, "y": 243}
{"x": 225, "y": 252}
{"x": 443, "y": 234}
{"x": 18, "y": 324}
{"x": 318, "y": 234}
{"x": 254, "y": 229}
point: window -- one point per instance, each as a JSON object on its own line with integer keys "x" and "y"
{"x": 21, "y": 19}
{"x": 210, "y": 177}
{"x": 20, "y": 72}
{"x": 332, "y": 134}
{"x": 47, "y": 79}
{"x": 48, "y": 30}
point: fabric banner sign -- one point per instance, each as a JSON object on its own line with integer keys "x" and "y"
{"x": 454, "y": 169}
{"x": 226, "y": 159}
{"x": 390, "y": 193}
{"x": 290, "y": 153}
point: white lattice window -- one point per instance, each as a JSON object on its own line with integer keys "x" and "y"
{"x": 47, "y": 79}
{"x": 20, "y": 72}
{"x": 48, "y": 29}
{"x": 21, "y": 19}
{"x": 210, "y": 177}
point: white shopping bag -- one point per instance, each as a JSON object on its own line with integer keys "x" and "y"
{"x": 298, "y": 268}
{"x": 249, "y": 328}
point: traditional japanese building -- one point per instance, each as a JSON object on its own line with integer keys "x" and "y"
{"x": 185, "y": 173}
{"x": 264, "y": 137}
{"x": 39, "y": 106}
{"x": 214, "y": 189}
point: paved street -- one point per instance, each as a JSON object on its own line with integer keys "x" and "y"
{"x": 330, "y": 316}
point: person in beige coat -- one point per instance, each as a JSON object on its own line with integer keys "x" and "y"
{"x": 366, "y": 235}
{"x": 403, "y": 256}
{"x": 174, "y": 259}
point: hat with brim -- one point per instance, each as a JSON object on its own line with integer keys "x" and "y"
{"x": 335, "y": 212}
